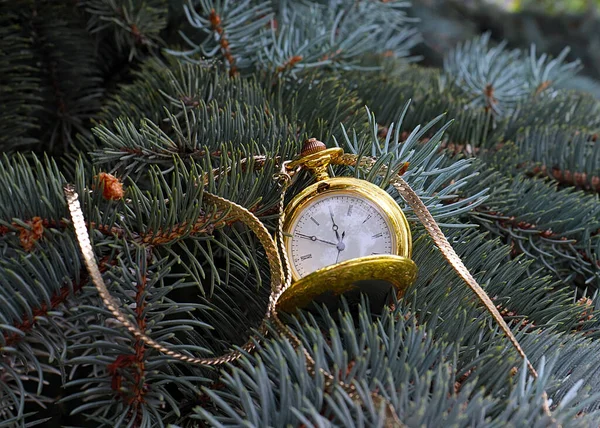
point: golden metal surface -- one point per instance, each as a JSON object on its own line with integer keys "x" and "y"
{"x": 312, "y": 145}
{"x": 317, "y": 162}
{"x": 395, "y": 218}
{"x": 342, "y": 277}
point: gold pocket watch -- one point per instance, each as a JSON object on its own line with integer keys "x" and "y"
{"x": 342, "y": 234}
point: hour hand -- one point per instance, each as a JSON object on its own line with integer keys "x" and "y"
{"x": 314, "y": 238}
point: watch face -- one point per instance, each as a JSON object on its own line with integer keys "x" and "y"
{"x": 337, "y": 226}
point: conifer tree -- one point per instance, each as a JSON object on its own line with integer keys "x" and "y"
{"x": 135, "y": 102}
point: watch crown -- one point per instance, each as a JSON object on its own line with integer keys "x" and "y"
{"x": 312, "y": 145}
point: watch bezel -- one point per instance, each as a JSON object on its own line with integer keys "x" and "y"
{"x": 379, "y": 197}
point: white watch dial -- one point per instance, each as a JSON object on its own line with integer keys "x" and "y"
{"x": 335, "y": 227}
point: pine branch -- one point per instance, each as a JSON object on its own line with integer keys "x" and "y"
{"x": 511, "y": 283}
{"x": 283, "y": 37}
{"x": 134, "y": 27}
{"x": 573, "y": 111}
{"x": 570, "y": 158}
{"x": 261, "y": 387}
{"x": 191, "y": 277}
{"x": 562, "y": 237}
{"x": 427, "y": 173}
{"x": 226, "y": 29}
{"x": 497, "y": 80}
{"x": 51, "y": 81}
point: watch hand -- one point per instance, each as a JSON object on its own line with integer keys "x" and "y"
{"x": 314, "y": 238}
{"x": 334, "y": 227}
{"x": 340, "y": 246}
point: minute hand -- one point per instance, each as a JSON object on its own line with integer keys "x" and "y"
{"x": 314, "y": 238}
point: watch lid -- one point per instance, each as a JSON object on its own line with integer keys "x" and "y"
{"x": 348, "y": 275}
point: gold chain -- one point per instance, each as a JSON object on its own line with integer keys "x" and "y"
{"x": 281, "y": 276}
{"x": 238, "y": 212}
{"x": 440, "y": 240}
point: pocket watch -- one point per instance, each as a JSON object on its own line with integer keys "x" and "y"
{"x": 342, "y": 234}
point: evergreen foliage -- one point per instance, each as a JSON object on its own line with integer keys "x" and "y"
{"x": 505, "y": 160}
{"x": 285, "y": 37}
{"x": 51, "y": 81}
